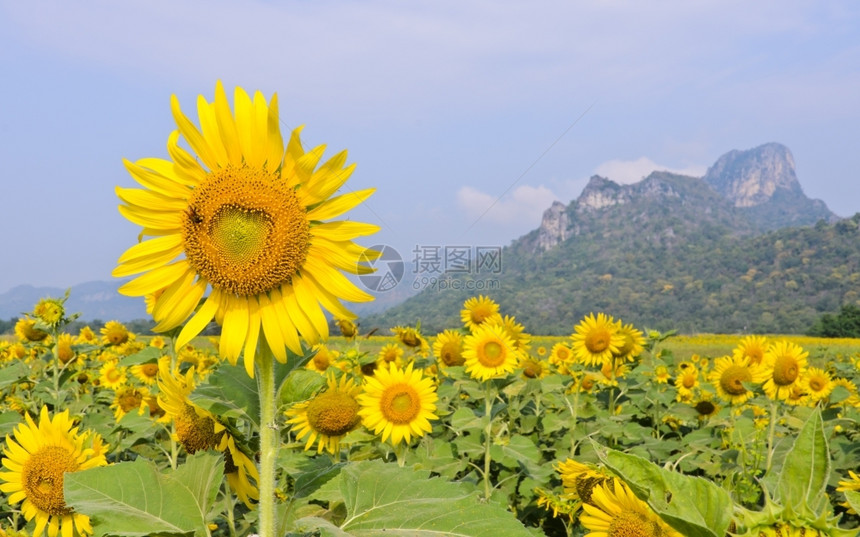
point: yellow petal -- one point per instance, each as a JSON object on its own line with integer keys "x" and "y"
{"x": 275, "y": 142}
{"x": 288, "y": 327}
{"x": 250, "y": 350}
{"x": 155, "y": 181}
{"x": 293, "y": 153}
{"x": 339, "y": 205}
{"x": 198, "y": 322}
{"x": 187, "y": 169}
{"x": 227, "y": 125}
{"x": 334, "y": 281}
{"x": 148, "y": 256}
{"x": 198, "y": 144}
{"x": 311, "y": 309}
{"x": 155, "y": 280}
{"x": 303, "y": 324}
{"x": 178, "y": 302}
{"x": 150, "y": 200}
{"x": 235, "y": 328}
{"x": 328, "y": 300}
{"x": 343, "y": 230}
{"x": 152, "y": 219}
{"x": 272, "y": 328}
{"x": 211, "y": 132}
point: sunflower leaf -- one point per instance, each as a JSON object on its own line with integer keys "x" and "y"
{"x": 230, "y": 393}
{"x": 134, "y": 499}
{"x": 693, "y": 506}
{"x": 384, "y": 499}
{"x": 806, "y": 469}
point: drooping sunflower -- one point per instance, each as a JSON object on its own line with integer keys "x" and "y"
{"x": 328, "y": 416}
{"x": 579, "y": 480}
{"x": 617, "y": 512}
{"x": 411, "y": 337}
{"x": 50, "y": 311}
{"x": 65, "y": 352}
{"x": 398, "y": 403}
{"x": 784, "y": 363}
{"x": 322, "y": 359}
{"x": 27, "y": 332}
{"x": 198, "y": 429}
{"x": 728, "y": 377}
{"x": 533, "y": 368}
{"x": 348, "y": 329}
{"x": 489, "y": 352}
{"x": 752, "y": 347}
{"x": 244, "y": 217}
{"x": 448, "y": 349}
{"x": 596, "y": 339}
{"x": 476, "y": 310}
{"x": 37, "y": 459}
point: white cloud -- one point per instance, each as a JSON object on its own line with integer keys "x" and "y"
{"x": 632, "y": 171}
{"x": 522, "y": 208}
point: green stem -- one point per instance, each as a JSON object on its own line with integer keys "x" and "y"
{"x": 488, "y": 433}
{"x": 771, "y": 433}
{"x": 269, "y": 439}
{"x": 574, "y": 410}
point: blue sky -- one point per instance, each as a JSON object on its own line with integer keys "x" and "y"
{"x": 454, "y": 111}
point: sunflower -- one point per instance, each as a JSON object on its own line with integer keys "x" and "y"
{"x": 752, "y": 347}
{"x": 851, "y": 484}
{"x": 661, "y": 374}
{"x": 559, "y": 505}
{"x": 391, "y": 352}
{"x": 705, "y": 405}
{"x": 489, "y": 352}
{"x": 114, "y": 333}
{"x": 729, "y": 375}
{"x": 36, "y": 461}
{"x": 617, "y": 512}
{"x": 533, "y": 368}
{"x": 27, "y": 332}
{"x": 634, "y": 343}
{"x": 686, "y": 381}
{"x": 560, "y": 354}
{"x": 322, "y": 359}
{"x": 157, "y": 342}
{"x": 65, "y": 352}
{"x": 398, "y": 403}
{"x": 328, "y": 416}
{"x": 818, "y": 383}
{"x": 513, "y": 329}
{"x": 198, "y": 429}
{"x": 784, "y": 364}
{"x": 448, "y": 349}
{"x": 50, "y": 311}
{"x": 243, "y": 217}
{"x": 412, "y": 339}
{"x": 348, "y": 329}
{"x": 87, "y": 336}
{"x": 579, "y": 480}
{"x": 112, "y": 376}
{"x": 147, "y": 372}
{"x": 128, "y": 398}
{"x": 476, "y": 310}
{"x": 596, "y": 339}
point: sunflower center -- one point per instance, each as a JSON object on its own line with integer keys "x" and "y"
{"x": 633, "y": 524}
{"x": 400, "y": 404}
{"x": 65, "y": 352}
{"x": 149, "y": 370}
{"x": 42, "y": 478}
{"x": 597, "y": 341}
{"x": 584, "y": 486}
{"x": 732, "y": 379}
{"x": 117, "y": 337}
{"x": 113, "y": 375}
{"x": 333, "y": 413}
{"x": 785, "y": 370}
{"x": 816, "y": 384}
{"x": 245, "y": 231}
{"x": 451, "y": 354}
{"x": 563, "y": 355}
{"x": 130, "y": 400}
{"x": 195, "y": 432}
{"x": 705, "y": 408}
{"x": 532, "y": 369}
{"x": 587, "y": 383}
{"x": 481, "y": 312}
{"x": 492, "y": 354}
{"x": 321, "y": 361}
{"x": 754, "y": 355}
{"x": 689, "y": 381}
{"x": 410, "y": 339}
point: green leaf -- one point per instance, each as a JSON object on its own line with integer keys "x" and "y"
{"x": 384, "y": 499}
{"x": 13, "y": 373}
{"x": 148, "y": 354}
{"x": 693, "y": 506}
{"x": 230, "y": 393}
{"x": 853, "y": 498}
{"x": 519, "y": 450}
{"x": 134, "y": 499}
{"x": 300, "y": 385}
{"x": 806, "y": 468}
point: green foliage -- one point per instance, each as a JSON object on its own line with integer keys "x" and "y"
{"x": 844, "y": 324}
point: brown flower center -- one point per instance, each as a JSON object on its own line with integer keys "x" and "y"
{"x": 333, "y": 413}
{"x": 400, "y": 404}
{"x": 785, "y": 370}
{"x": 42, "y": 479}
{"x": 492, "y": 354}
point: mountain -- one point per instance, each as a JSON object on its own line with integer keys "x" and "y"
{"x": 93, "y": 300}
{"x": 763, "y": 184}
{"x": 672, "y": 252}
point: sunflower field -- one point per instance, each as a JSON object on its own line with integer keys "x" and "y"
{"x": 274, "y": 428}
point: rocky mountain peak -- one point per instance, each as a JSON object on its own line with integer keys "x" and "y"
{"x": 752, "y": 177}
{"x": 554, "y": 226}
{"x": 600, "y": 192}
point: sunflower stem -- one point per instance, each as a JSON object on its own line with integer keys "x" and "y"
{"x": 771, "y": 433}
{"x": 489, "y": 397}
{"x": 268, "y": 439}
{"x": 574, "y": 411}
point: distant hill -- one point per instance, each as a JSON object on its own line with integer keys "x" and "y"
{"x": 740, "y": 250}
{"x": 93, "y": 300}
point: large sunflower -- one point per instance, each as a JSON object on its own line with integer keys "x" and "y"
{"x": 596, "y": 339}
{"x": 476, "y": 310}
{"x": 489, "y": 352}
{"x": 198, "y": 429}
{"x": 328, "y": 416}
{"x": 752, "y": 347}
{"x": 617, "y": 512}
{"x": 398, "y": 403}
{"x": 243, "y": 217}
{"x": 784, "y": 364}
{"x": 448, "y": 348}
{"x": 36, "y": 461}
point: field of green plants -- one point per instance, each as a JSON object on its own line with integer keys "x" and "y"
{"x": 478, "y": 430}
